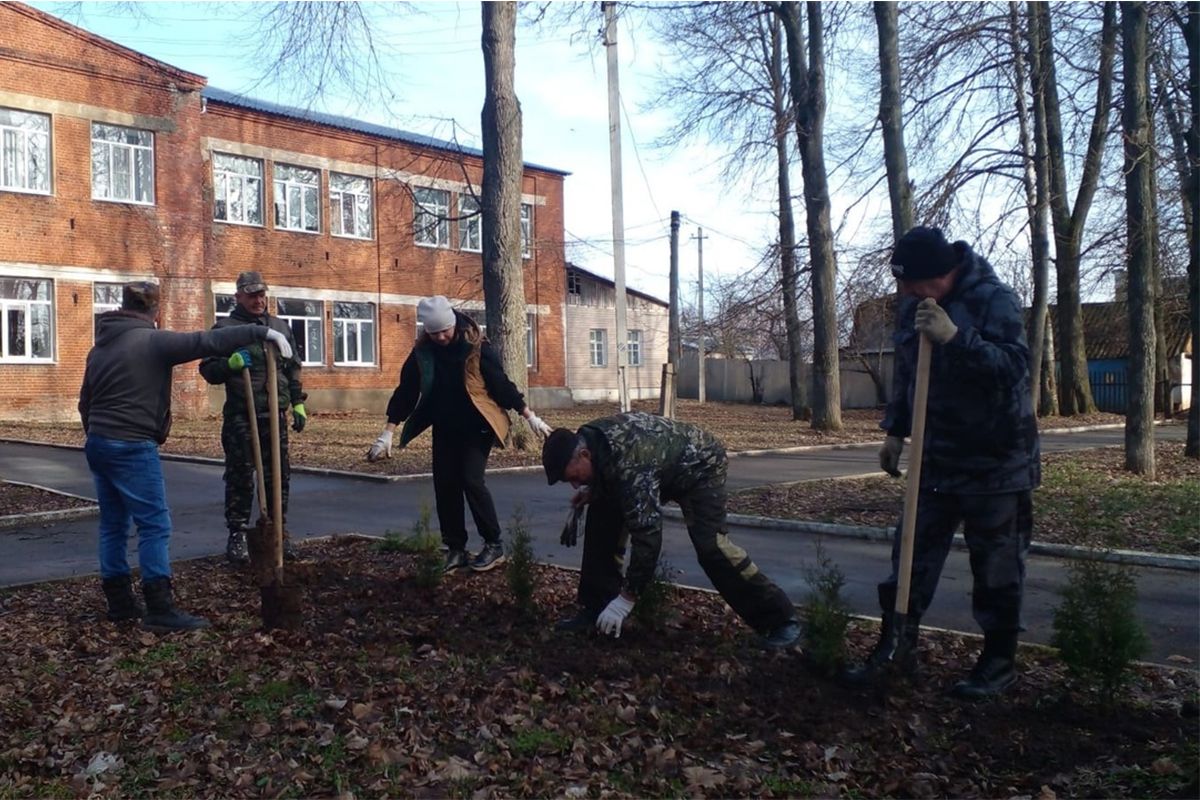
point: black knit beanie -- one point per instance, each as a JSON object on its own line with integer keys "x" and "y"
{"x": 921, "y": 254}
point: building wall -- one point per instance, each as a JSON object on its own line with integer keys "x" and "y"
{"x": 594, "y": 308}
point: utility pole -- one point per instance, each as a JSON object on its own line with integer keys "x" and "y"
{"x": 618, "y": 213}
{"x": 702, "y": 349}
{"x": 667, "y": 392}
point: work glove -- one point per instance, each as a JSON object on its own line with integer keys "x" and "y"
{"x": 610, "y": 619}
{"x": 570, "y": 531}
{"x": 934, "y": 322}
{"x": 889, "y": 455}
{"x": 382, "y": 448}
{"x": 538, "y": 426}
{"x": 299, "y": 417}
{"x": 239, "y": 360}
{"x": 280, "y": 341}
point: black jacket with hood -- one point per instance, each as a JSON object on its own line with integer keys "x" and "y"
{"x": 126, "y": 392}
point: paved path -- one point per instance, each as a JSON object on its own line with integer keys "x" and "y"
{"x": 1169, "y": 599}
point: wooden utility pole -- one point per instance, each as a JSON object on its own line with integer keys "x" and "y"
{"x": 702, "y": 348}
{"x": 667, "y": 393}
{"x": 618, "y": 213}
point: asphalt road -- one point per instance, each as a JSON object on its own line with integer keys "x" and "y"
{"x": 1169, "y": 601}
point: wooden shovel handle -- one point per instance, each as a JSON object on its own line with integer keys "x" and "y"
{"x": 912, "y": 489}
{"x": 276, "y": 472}
{"x": 255, "y": 443}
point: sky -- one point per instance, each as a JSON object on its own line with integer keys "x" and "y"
{"x": 433, "y": 53}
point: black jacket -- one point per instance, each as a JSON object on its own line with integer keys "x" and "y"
{"x": 126, "y": 392}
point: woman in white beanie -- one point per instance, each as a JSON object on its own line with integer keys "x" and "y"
{"x": 453, "y": 382}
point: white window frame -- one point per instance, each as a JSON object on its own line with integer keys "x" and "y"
{"x": 289, "y": 189}
{"x": 431, "y": 211}
{"x": 100, "y": 306}
{"x": 598, "y": 347}
{"x": 470, "y": 224}
{"x": 17, "y": 141}
{"x": 26, "y": 307}
{"x": 526, "y": 230}
{"x": 353, "y": 329}
{"x": 224, "y": 178}
{"x": 633, "y": 348}
{"x": 223, "y": 305}
{"x": 307, "y": 322}
{"x": 342, "y": 187}
{"x": 109, "y": 150}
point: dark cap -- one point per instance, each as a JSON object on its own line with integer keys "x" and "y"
{"x": 141, "y": 296}
{"x": 251, "y": 282}
{"x": 557, "y": 452}
{"x": 921, "y": 254}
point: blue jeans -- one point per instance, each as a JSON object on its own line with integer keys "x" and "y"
{"x": 129, "y": 486}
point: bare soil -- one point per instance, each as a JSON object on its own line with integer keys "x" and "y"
{"x": 17, "y": 499}
{"x": 390, "y": 689}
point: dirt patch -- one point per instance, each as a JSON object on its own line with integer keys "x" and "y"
{"x": 390, "y": 689}
{"x": 17, "y": 499}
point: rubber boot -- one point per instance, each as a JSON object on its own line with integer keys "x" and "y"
{"x": 895, "y": 650}
{"x": 123, "y": 604}
{"x": 161, "y": 614}
{"x": 996, "y": 669}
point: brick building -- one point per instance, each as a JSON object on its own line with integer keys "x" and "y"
{"x": 117, "y": 167}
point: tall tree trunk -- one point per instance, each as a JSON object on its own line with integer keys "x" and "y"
{"x": 503, "y": 275}
{"x": 1049, "y": 397}
{"x": 1139, "y": 418}
{"x": 891, "y": 119}
{"x": 1074, "y": 390}
{"x": 807, "y": 82}
{"x": 1190, "y": 23}
{"x": 787, "y": 227}
{"x": 1037, "y": 188}
{"x": 1162, "y": 374}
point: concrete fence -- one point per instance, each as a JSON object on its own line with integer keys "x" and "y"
{"x": 731, "y": 380}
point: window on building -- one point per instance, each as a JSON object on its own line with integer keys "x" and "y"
{"x": 350, "y": 206}
{"x": 122, "y": 164}
{"x": 223, "y": 305}
{"x": 306, "y": 319}
{"x": 574, "y": 286}
{"x": 470, "y": 224}
{"x": 530, "y": 340}
{"x": 526, "y": 230}
{"x": 353, "y": 334}
{"x": 297, "y": 198}
{"x": 105, "y": 297}
{"x": 634, "y": 349}
{"x": 598, "y": 347}
{"x": 24, "y": 151}
{"x": 238, "y": 185}
{"x": 26, "y": 320}
{"x": 431, "y": 209}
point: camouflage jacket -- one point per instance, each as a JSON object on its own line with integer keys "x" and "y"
{"x": 216, "y": 370}
{"x": 981, "y": 434}
{"x": 641, "y": 461}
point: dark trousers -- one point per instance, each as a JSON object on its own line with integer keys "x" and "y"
{"x": 239, "y": 466}
{"x": 459, "y": 460}
{"x": 749, "y": 592}
{"x": 997, "y": 527}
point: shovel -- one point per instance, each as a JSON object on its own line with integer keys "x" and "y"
{"x": 912, "y": 491}
{"x": 280, "y": 602}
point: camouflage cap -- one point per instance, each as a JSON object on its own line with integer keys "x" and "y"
{"x": 250, "y": 282}
{"x": 143, "y": 296}
{"x": 557, "y": 453}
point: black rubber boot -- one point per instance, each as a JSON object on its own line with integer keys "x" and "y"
{"x": 161, "y": 614}
{"x": 896, "y": 650}
{"x": 996, "y": 669}
{"x": 123, "y": 604}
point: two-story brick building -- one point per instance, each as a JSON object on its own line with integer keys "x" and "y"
{"x": 116, "y": 167}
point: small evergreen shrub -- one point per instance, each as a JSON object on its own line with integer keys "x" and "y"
{"x": 1096, "y": 628}
{"x": 654, "y": 601}
{"x": 827, "y": 614}
{"x": 520, "y": 569}
{"x": 426, "y": 545}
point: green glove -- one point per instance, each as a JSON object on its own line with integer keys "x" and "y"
{"x": 299, "y": 417}
{"x": 239, "y": 360}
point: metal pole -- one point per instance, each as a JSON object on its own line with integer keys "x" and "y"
{"x": 701, "y": 351}
{"x": 673, "y": 347}
{"x": 618, "y": 214}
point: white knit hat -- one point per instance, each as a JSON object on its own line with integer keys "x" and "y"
{"x": 435, "y": 314}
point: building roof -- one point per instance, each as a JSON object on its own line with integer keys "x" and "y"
{"x": 1106, "y": 329}
{"x": 610, "y": 282}
{"x": 221, "y": 96}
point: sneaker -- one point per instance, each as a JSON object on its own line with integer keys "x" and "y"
{"x": 492, "y": 555}
{"x": 235, "y": 547}
{"x": 455, "y": 559}
{"x": 583, "y": 621}
{"x": 783, "y": 636}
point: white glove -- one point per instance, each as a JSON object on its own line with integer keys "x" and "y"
{"x": 280, "y": 341}
{"x": 933, "y": 321}
{"x": 610, "y": 619}
{"x": 382, "y": 448}
{"x": 538, "y": 426}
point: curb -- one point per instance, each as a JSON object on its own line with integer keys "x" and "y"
{"x": 60, "y": 515}
{"x": 1135, "y": 558}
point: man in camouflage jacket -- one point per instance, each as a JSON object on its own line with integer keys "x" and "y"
{"x": 629, "y": 465}
{"x": 981, "y": 457}
{"x": 251, "y": 309}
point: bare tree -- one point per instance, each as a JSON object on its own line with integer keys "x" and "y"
{"x": 891, "y": 118}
